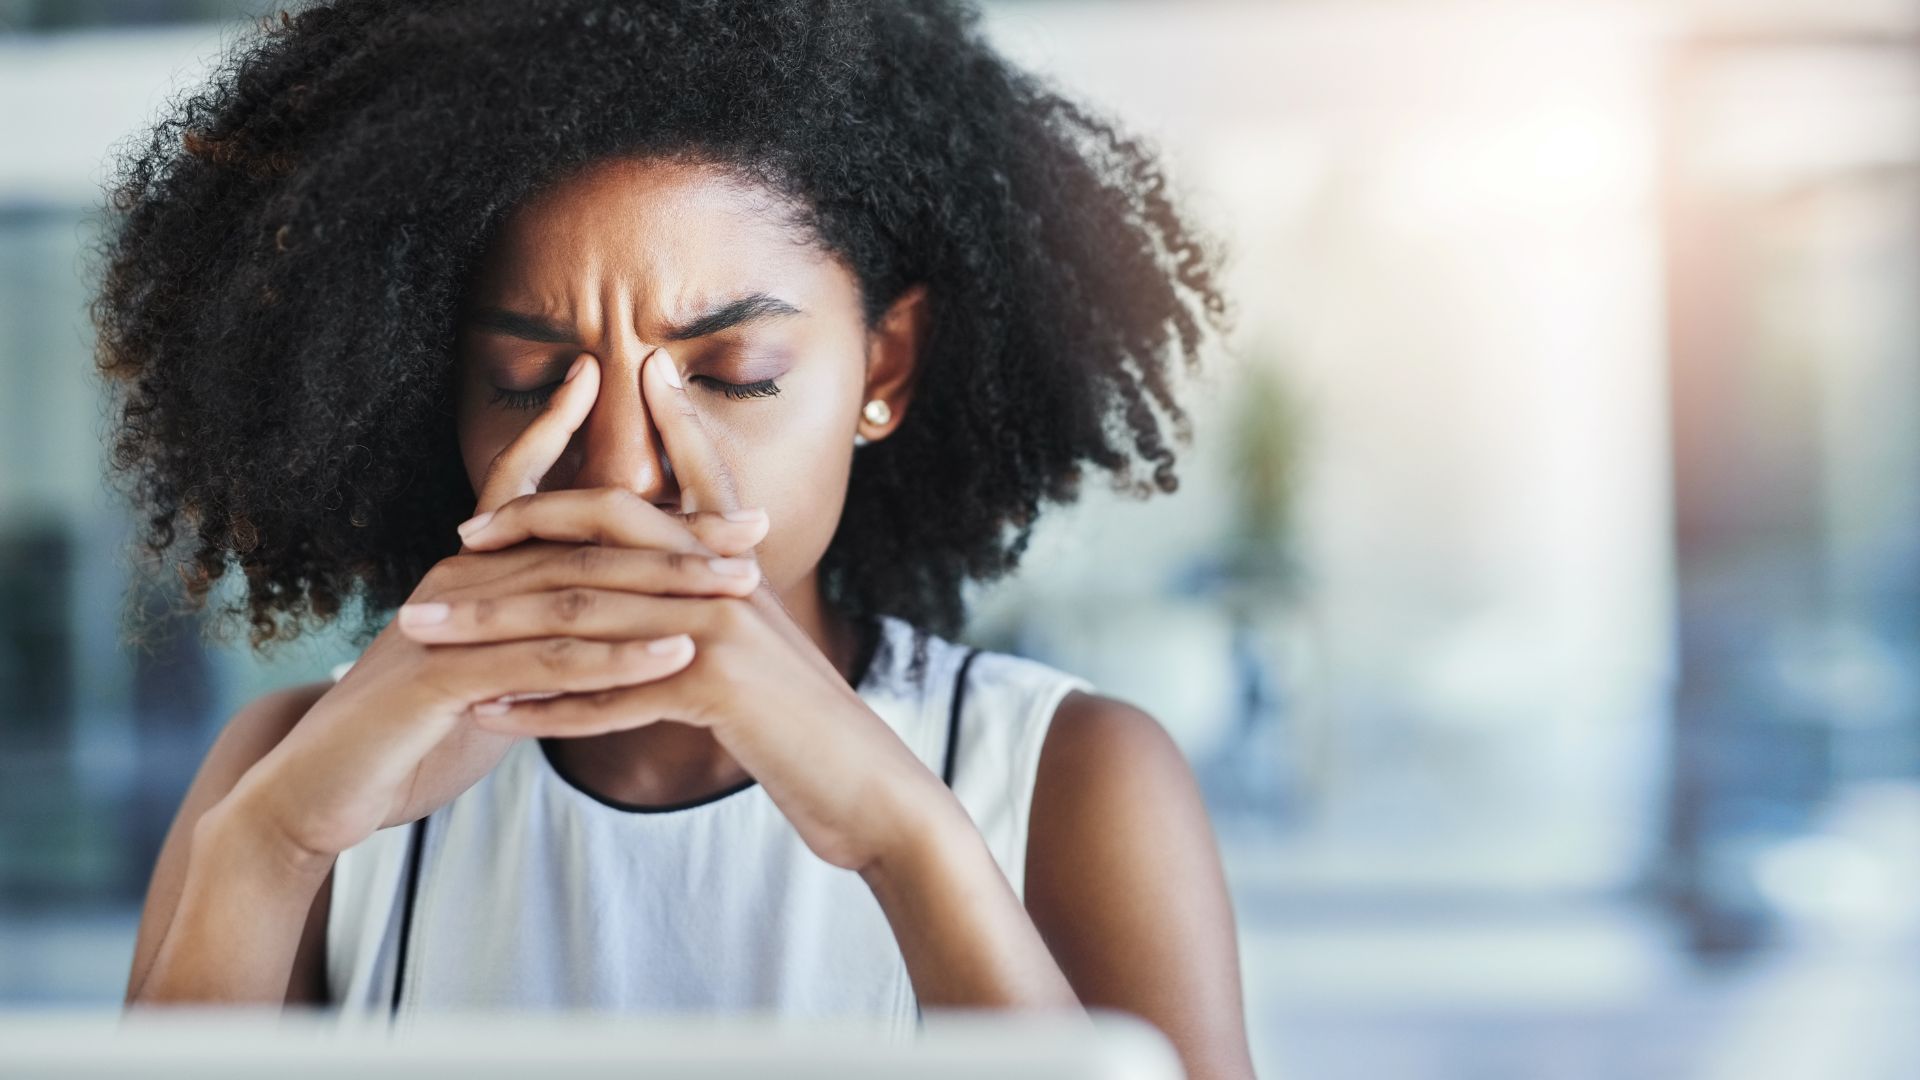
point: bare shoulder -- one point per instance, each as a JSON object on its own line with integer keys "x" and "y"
{"x": 249, "y": 735}
{"x": 1125, "y": 883}
{"x": 1113, "y": 791}
{"x": 1093, "y": 736}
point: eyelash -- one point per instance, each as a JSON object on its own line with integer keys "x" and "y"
{"x": 538, "y": 396}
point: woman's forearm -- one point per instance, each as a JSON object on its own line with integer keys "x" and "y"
{"x": 242, "y": 909}
{"x": 966, "y": 937}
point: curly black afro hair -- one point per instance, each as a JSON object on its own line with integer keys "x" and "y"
{"x": 287, "y": 250}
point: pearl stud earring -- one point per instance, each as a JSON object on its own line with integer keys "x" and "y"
{"x": 875, "y": 412}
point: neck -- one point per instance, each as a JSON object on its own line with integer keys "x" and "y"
{"x": 832, "y": 633}
{"x": 667, "y": 762}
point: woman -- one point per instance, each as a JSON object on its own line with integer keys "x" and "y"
{"x": 670, "y": 368}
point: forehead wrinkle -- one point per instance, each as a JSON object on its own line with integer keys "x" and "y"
{"x": 674, "y": 258}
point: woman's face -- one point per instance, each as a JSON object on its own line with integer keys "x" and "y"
{"x": 766, "y": 329}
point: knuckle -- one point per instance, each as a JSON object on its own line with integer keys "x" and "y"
{"x": 616, "y": 509}
{"x": 570, "y": 604}
{"x": 485, "y": 609}
{"x": 584, "y": 559}
{"x": 558, "y": 654}
{"x": 613, "y": 499}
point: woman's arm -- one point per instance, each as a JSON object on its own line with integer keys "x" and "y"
{"x": 1125, "y": 884}
{"x": 961, "y": 929}
{"x": 1126, "y": 900}
{"x": 228, "y": 915}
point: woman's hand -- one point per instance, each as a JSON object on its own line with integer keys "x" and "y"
{"x": 855, "y": 792}
{"x": 396, "y": 737}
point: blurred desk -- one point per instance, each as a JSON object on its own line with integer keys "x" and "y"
{"x": 215, "y": 1044}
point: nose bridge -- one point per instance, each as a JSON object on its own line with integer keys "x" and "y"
{"x": 620, "y": 445}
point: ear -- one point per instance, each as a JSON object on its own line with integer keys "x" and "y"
{"x": 894, "y": 349}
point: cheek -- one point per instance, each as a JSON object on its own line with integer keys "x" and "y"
{"x": 483, "y": 433}
{"x": 785, "y": 468}
{"x": 791, "y": 458}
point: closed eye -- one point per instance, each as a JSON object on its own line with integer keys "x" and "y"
{"x": 539, "y": 395}
{"x": 761, "y": 388}
{"x": 523, "y": 399}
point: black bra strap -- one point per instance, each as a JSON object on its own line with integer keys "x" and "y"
{"x": 416, "y": 843}
{"x": 953, "y": 715}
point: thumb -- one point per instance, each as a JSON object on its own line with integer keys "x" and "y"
{"x": 518, "y": 468}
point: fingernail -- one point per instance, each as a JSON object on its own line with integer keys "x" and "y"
{"x": 579, "y": 365}
{"x": 423, "y": 614}
{"x": 732, "y": 567}
{"x": 667, "y": 646}
{"x": 474, "y": 524}
{"x": 754, "y": 514}
{"x": 673, "y": 370}
{"x": 492, "y": 708}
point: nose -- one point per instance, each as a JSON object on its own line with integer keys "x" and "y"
{"x": 618, "y": 444}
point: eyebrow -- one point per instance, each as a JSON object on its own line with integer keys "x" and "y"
{"x": 739, "y": 311}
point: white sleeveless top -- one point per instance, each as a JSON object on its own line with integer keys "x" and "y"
{"x": 529, "y": 892}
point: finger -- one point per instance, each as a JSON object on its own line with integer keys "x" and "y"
{"x": 518, "y": 469}
{"x": 729, "y": 532}
{"x": 600, "y": 614}
{"x": 630, "y": 570}
{"x": 499, "y": 564}
{"x": 565, "y": 664}
{"x": 576, "y": 715}
{"x": 535, "y": 695}
{"x": 615, "y": 517}
{"x": 704, "y": 480}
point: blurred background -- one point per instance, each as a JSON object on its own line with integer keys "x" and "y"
{"x": 1541, "y": 604}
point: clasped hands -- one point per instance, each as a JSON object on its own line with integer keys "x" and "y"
{"x": 618, "y": 577}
